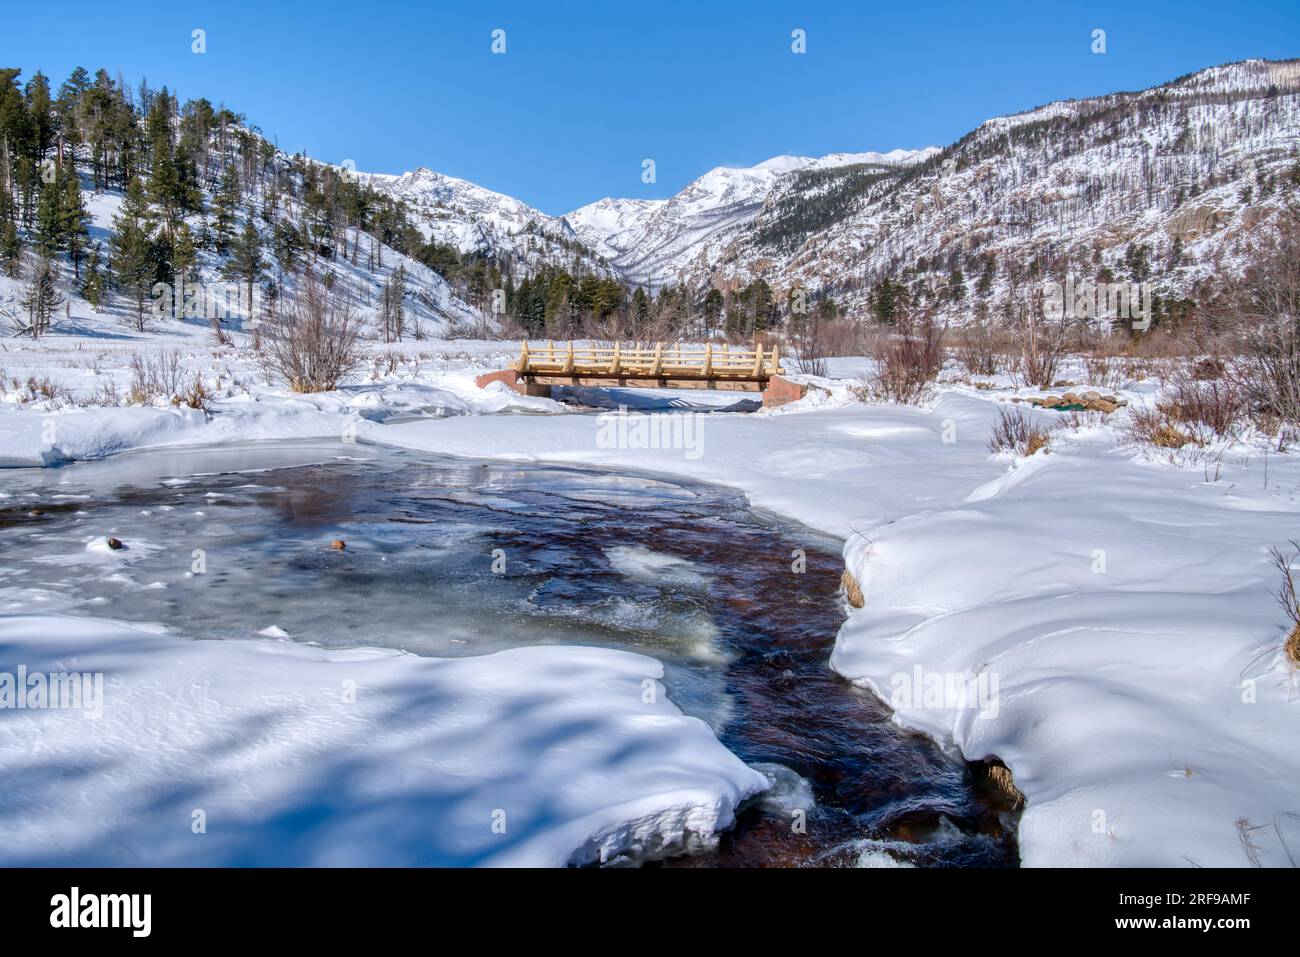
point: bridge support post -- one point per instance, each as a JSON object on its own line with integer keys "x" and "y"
{"x": 781, "y": 390}
{"x": 509, "y": 376}
{"x": 524, "y": 385}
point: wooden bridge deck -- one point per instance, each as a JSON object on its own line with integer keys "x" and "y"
{"x": 677, "y": 365}
{"x": 699, "y": 363}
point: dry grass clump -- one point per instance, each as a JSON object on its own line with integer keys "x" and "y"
{"x": 852, "y": 591}
{"x": 1155, "y": 427}
{"x": 197, "y": 396}
{"x": 1288, "y": 598}
{"x": 994, "y": 778}
{"x": 1015, "y": 431}
{"x": 44, "y": 388}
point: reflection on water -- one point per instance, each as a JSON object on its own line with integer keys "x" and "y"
{"x": 450, "y": 557}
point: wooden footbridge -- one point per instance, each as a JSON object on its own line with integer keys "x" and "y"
{"x": 659, "y": 365}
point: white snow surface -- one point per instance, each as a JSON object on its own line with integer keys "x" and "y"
{"x": 539, "y": 756}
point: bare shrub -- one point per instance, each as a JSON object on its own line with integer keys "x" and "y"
{"x": 316, "y": 342}
{"x": 807, "y": 328}
{"x": 1042, "y": 346}
{"x": 907, "y": 362}
{"x": 979, "y": 347}
{"x": 46, "y": 388}
{"x": 1111, "y": 372}
{"x": 1210, "y": 367}
{"x": 1289, "y": 599}
{"x": 106, "y": 394}
{"x": 844, "y": 337}
{"x": 1216, "y": 403}
{"x": 157, "y": 374}
{"x": 386, "y": 364}
{"x": 1265, "y": 305}
{"x": 1163, "y": 342}
{"x": 1016, "y": 431}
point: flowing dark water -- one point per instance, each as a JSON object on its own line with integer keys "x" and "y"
{"x": 447, "y": 557}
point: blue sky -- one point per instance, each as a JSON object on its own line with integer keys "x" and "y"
{"x": 586, "y": 91}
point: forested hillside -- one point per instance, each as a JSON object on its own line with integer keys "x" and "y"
{"x": 107, "y": 192}
{"x": 1163, "y": 185}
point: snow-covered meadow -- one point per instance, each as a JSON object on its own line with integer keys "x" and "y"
{"x": 1120, "y": 601}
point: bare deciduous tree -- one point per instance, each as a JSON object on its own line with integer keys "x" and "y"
{"x": 315, "y": 342}
{"x": 1265, "y": 306}
{"x": 1042, "y": 344}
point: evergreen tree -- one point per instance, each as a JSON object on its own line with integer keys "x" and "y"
{"x": 164, "y": 187}
{"x": 11, "y": 248}
{"x": 224, "y": 205}
{"x": 984, "y": 284}
{"x": 246, "y": 262}
{"x": 761, "y": 306}
{"x": 49, "y": 237}
{"x": 392, "y": 316}
{"x": 888, "y": 298}
{"x": 75, "y": 219}
{"x": 1137, "y": 261}
{"x": 41, "y": 111}
{"x": 131, "y": 249}
{"x": 712, "y": 309}
{"x": 92, "y": 286}
{"x": 286, "y": 245}
{"x": 956, "y": 285}
{"x": 640, "y": 308}
{"x": 183, "y": 257}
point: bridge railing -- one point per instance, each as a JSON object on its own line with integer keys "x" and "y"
{"x": 679, "y": 360}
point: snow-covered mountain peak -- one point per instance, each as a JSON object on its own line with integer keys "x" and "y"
{"x": 650, "y": 241}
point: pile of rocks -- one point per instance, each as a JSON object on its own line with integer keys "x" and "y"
{"x": 1078, "y": 402}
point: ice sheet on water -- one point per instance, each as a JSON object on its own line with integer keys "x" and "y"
{"x": 789, "y": 792}
{"x": 644, "y": 565}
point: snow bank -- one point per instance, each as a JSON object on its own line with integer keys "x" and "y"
{"x": 34, "y": 438}
{"x": 1123, "y": 615}
{"x": 293, "y": 755}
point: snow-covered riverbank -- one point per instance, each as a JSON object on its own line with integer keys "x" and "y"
{"x": 1122, "y": 605}
{"x": 277, "y": 753}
